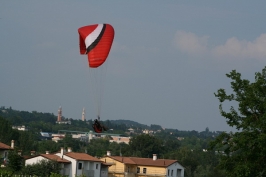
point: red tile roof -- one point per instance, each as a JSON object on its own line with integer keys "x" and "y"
{"x": 144, "y": 161}
{"x": 82, "y": 156}
{"x": 4, "y": 146}
{"x": 54, "y": 157}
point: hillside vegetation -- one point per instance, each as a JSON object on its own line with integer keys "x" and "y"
{"x": 185, "y": 146}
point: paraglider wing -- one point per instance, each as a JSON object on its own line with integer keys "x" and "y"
{"x": 96, "y": 41}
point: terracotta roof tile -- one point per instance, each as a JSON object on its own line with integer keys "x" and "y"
{"x": 55, "y": 157}
{"x": 151, "y": 162}
{"x": 126, "y": 160}
{"x": 4, "y": 146}
{"x": 82, "y": 156}
{"x": 144, "y": 161}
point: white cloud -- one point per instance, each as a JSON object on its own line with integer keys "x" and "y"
{"x": 242, "y": 49}
{"x": 191, "y": 44}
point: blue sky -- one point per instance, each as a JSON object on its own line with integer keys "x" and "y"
{"x": 167, "y": 60}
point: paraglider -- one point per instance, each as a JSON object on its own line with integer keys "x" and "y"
{"x": 98, "y": 126}
{"x": 95, "y": 41}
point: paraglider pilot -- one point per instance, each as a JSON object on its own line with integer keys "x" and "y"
{"x": 98, "y": 126}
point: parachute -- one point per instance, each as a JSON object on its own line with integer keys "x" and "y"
{"x": 95, "y": 41}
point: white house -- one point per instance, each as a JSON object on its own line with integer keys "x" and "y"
{"x": 64, "y": 164}
{"x": 74, "y": 163}
{"x": 20, "y": 128}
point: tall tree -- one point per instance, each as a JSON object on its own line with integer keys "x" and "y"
{"x": 15, "y": 161}
{"x": 145, "y": 145}
{"x": 244, "y": 149}
{"x": 6, "y": 131}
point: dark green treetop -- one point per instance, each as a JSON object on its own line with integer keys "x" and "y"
{"x": 245, "y": 149}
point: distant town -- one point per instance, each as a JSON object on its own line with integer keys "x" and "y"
{"x": 127, "y": 148}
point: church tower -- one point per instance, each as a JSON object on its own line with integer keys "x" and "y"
{"x": 59, "y": 116}
{"x": 83, "y": 115}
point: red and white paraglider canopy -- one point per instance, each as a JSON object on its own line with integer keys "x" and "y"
{"x": 96, "y": 41}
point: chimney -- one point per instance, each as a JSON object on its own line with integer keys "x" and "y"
{"x": 69, "y": 149}
{"x": 12, "y": 144}
{"x": 19, "y": 152}
{"x": 108, "y": 153}
{"x": 62, "y": 152}
{"x": 46, "y": 152}
{"x": 154, "y": 157}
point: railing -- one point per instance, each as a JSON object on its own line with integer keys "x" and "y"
{"x": 66, "y": 171}
{"x": 88, "y": 173}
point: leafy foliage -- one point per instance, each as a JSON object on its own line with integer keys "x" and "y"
{"x": 15, "y": 162}
{"x": 145, "y": 145}
{"x": 42, "y": 168}
{"x": 245, "y": 149}
{"x": 6, "y": 131}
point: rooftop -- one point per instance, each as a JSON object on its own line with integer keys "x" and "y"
{"x": 144, "y": 161}
{"x": 4, "y": 146}
{"x": 82, "y": 156}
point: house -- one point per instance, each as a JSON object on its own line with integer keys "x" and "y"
{"x": 131, "y": 130}
{"x": 138, "y": 167}
{"x": 64, "y": 164}
{"x": 20, "y": 128}
{"x": 45, "y": 136}
{"x": 148, "y": 131}
{"x": 120, "y": 139}
{"x": 4, "y": 149}
{"x": 74, "y": 163}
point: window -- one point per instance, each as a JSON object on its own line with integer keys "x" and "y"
{"x": 5, "y": 155}
{"x": 168, "y": 173}
{"x": 144, "y": 170}
{"x": 128, "y": 169}
{"x": 138, "y": 169}
{"x": 96, "y": 166}
{"x": 178, "y": 172}
{"x": 171, "y": 172}
{"x": 80, "y": 166}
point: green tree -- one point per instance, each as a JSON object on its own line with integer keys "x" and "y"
{"x": 98, "y": 147}
{"x": 15, "y": 161}
{"x": 42, "y": 168}
{"x": 244, "y": 149}
{"x": 6, "y": 132}
{"x": 145, "y": 145}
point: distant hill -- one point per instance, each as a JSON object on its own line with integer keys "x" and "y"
{"x": 38, "y": 121}
{"x": 47, "y": 121}
{"x": 128, "y": 123}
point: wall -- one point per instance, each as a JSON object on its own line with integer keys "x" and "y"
{"x": 174, "y": 167}
{"x": 34, "y": 160}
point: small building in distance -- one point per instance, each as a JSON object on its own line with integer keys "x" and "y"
{"x": 20, "y": 128}
{"x": 60, "y": 118}
{"x": 120, "y": 139}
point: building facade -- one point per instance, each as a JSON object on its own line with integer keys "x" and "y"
{"x": 140, "y": 167}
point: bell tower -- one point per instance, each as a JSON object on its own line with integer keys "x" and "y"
{"x": 59, "y": 116}
{"x": 83, "y": 115}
